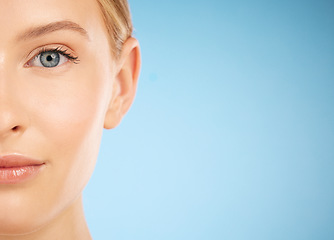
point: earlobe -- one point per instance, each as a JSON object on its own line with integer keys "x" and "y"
{"x": 125, "y": 83}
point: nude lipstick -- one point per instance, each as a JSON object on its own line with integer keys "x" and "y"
{"x": 16, "y": 168}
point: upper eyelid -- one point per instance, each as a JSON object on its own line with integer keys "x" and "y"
{"x": 48, "y": 47}
{"x": 32, "y": 55}
{"x": 59, "y": 50}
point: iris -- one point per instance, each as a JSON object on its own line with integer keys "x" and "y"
{"x": 50, "y": 59}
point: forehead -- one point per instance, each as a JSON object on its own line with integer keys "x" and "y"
{"x": 16, "y": 16}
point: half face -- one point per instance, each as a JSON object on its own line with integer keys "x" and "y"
{"x": 56, "y": 78}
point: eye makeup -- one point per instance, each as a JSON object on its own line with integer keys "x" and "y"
{"x": 51, "y": 56}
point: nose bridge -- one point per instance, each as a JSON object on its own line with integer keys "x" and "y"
{"x": 4, "y": 70}
{"x": 12, "y": 112}
{"x": 10, "y": 106}
{"x": 2, "y": 57}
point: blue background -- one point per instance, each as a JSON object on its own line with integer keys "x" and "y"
{"x": 232, "y": 130}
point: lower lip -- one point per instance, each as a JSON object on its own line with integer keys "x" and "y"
{"x": 13, "y": 175}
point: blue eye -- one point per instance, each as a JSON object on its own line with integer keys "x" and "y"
{"x": 49, "y": 59}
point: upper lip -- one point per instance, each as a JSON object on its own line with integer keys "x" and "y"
{"x": 18, "y": 160}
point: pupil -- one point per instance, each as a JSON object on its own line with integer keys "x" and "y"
{"x": 49, "y": 58}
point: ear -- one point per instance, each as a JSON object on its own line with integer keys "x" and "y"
{"x": 125, "y": 83}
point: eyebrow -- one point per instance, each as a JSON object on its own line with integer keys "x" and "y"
{"x": 52, "y": 27}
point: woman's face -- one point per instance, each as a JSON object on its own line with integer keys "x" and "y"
{"x": 56, "y": 78}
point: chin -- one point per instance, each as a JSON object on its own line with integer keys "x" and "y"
{"x": 20, "y": 217}
{"x": 18, "y": 225}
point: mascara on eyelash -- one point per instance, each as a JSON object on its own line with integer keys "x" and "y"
{"x": 73, "y": 59}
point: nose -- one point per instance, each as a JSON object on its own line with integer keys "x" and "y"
{"x": 8, "y": 122}
{"x": 10, "y": 119}
{"x": 11, "y": 107}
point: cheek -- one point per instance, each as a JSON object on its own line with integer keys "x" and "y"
{"x": 67, "y": 115}
{"x": 70, "y": 113}
{"x": 70, "y": 109}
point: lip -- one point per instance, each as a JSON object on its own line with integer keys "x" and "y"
{"x": 16, "y": 168}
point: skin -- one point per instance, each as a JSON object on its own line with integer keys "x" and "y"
{"x": 57, "y": 115}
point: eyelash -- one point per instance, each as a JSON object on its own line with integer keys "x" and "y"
{"x": 64, "y": 52}
{"x": 59, "y": 50}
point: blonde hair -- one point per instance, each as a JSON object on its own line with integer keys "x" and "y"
{"x": 116, "y": 15}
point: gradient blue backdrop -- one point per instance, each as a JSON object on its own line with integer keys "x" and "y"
{"x": 232, "y": 130}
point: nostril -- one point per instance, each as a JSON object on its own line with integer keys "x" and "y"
{"x": 16, "y": 128}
